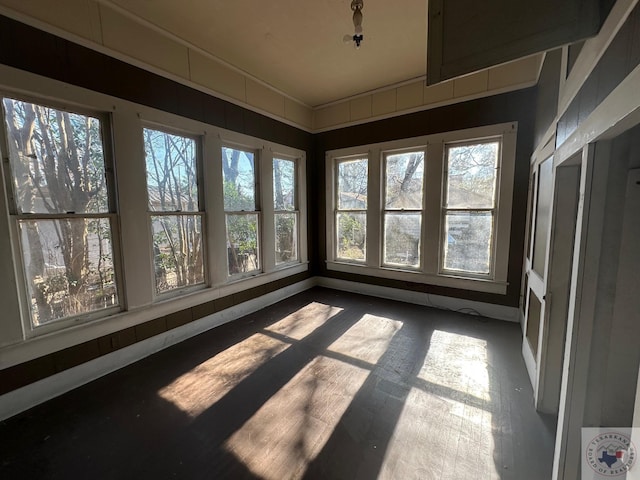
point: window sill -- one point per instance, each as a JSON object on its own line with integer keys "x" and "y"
{"x": 85, "y": 328}
{"x": 443, "y": 280}
{"x": 239, "y": 283}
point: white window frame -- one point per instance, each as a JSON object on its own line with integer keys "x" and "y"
{"x": 257, "y": 211}
{"x": 29, "y": 329}
{"x": 132, "y": 243}
{"x": 494, "y": 209}
{"x": 265, "y": 152}
{"x": 296, "y": 205}
{"x": 336, "y": 210}
{"x": 200, "y": 212}
{"x": 430, "y": 271}
{"x": 385, "y": 210}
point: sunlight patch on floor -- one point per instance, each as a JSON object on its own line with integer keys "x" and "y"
{"x": 198, "y": 389}
{"x": 437, "y": 437}
{"x": 368, "y": 339}
{"x": 291, "y": 428}
{"x": 446, "y": 416}
{"x": 457, "y": 362}
{"x": 305, "y": 320}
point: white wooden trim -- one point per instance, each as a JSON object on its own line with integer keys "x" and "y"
{"x": 429, "y": 271}
{"x": 465, "y": 283}
{"x": 584, "y": 280}
{"x": 127, "y": 122}
{"x": 615, "y": 114}
{"x": 529, "y": 361}
{"x": 31, "y": 395}
{"x": 499, "y": 312}
{"x": 592, "y": 51}
{"x": 421, "y": 108}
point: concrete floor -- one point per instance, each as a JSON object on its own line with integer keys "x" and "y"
{"x": 325, "y": 385}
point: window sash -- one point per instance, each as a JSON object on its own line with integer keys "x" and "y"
{"x": 166, "y": 268}
{"x": 255, "y": 207}
{"x": 433, "y": 209}
{"x": 384, "y": 185}
{"x": 295, "y": 237}
{"x": 244, "y": 250}
{"x": 105, "y": 136}
{"x": 64, "y": 291}
{"x": 445, "y": 241}
{"x": 409, "y": 252}
{"x": 354, "y": 233}
{"x": 338, "y": 163}
{"x": 54, "y": 281}
{"x": 197, "y": 145}
{"x": 294, "y": 193}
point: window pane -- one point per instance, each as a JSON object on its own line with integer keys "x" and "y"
{"x": 172, "y": 177}
{"x": 402, "y": 238}
{"x": 404, "y": 177}
{"x": 352, "y": 184}
{"x": 57, "y": 159}
{"x": 467, "y": 245}
{"x": 68, "y": 267}
{"x": 471, "y": 175}
{"x": 352, "y": 238}
{"x": 239, "y": 180}
{"x": 177, "y": 251}
{"x": 284, "y": 178}
{"x": 242, "y": 243}
{"x": 286, "y": 237}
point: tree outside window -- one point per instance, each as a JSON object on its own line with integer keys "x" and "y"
{"x": 404, "y": 179}
{"x": 176, "y": 222}
{"x": 351, "y": 209}
{"x": 285, "y": 211}
{"x": 469, "y": 207}
{"x": 62, "y": 204}
{"x": 241, "y": 210}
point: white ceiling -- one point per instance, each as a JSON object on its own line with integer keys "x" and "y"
{"x": 297, "y": 46}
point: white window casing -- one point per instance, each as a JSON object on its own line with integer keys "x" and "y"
{"x": 133, "y": 257}
{"x": 430, "y": 269}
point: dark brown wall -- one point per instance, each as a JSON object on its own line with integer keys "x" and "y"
{"x": 547, "y": 100}
{"x": 620, "y": 58}
{"x": 56, "y": 58}
{"x": 35, "y": 51}
{"x": 23, "y": 374}
{"x": 39, "y": 52}
{"x": 508, "y": 107}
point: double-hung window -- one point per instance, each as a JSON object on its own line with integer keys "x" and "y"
{"x": 469, "y": 207}
{"x": 64, "y": 208}
{"x": 285, "y": 211}
{"x": 403, "y": 204}
{"x": 351, "y": 208}
{"x": 434, "y": 209}
{"x": 241, "y": 207}
{"x": 174, "y": 209}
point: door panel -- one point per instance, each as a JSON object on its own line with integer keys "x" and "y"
{"x": 548, "y": 276}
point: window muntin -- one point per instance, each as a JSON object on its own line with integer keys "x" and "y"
{"x": 63, "y": 209}
{"x": 239, "y": 176}
{"x": 285, "y": 211}
{"x": 403, "y": 204}
{"x": 174, "y": 213}
{"x": 351, "y": 209}
{"x": 471, "y": 172}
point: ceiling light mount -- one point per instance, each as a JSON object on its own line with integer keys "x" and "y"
{"x": 356, "y": 6}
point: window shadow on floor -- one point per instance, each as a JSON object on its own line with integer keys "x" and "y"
{"x": 323, "y": 385}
